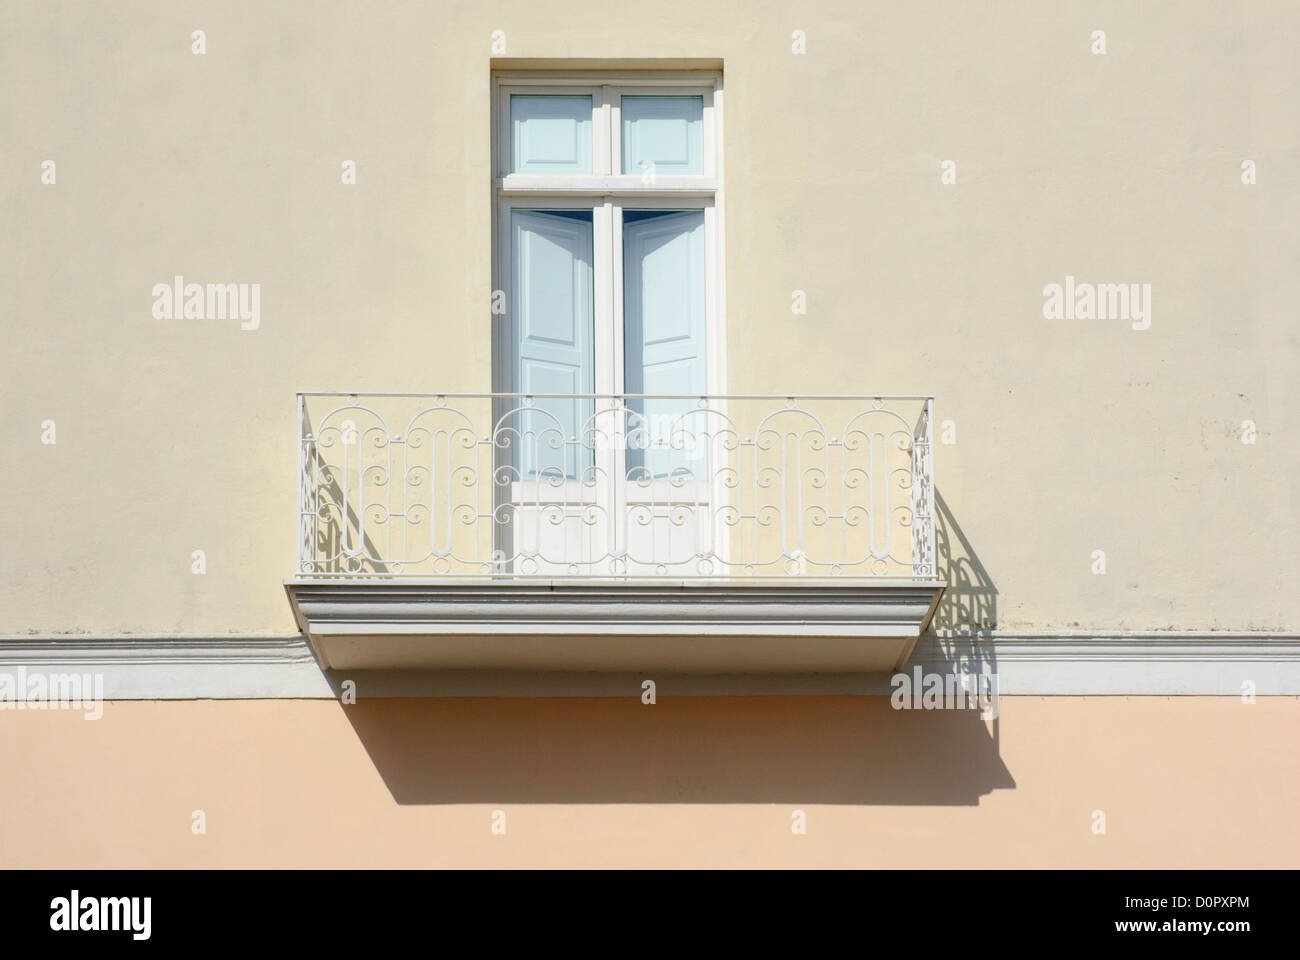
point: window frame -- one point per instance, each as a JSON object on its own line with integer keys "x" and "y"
{"x": 607, "y": 193}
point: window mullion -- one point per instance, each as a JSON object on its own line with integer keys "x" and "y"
{"x": 605, "y": 295}
{"x": 616, "y": 311}
{"x": 610, "y": 456}
{"x": 614, "y": 97}
{"x": 602, "y": 129}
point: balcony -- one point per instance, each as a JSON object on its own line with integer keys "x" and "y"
{"x": 720, "y": 534}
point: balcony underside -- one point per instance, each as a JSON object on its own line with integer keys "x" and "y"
{"x": 677, "y": 626}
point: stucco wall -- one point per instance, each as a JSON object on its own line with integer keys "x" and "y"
{"x": 1182, "y": 782}
{"x": 1072, "y": 436}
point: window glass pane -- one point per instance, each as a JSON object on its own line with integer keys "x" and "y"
{"x": 664, "y": 339}
{"x": 663, "y": 135}
{"x": 550, "y": 134}
{"x": 553, "y": 333}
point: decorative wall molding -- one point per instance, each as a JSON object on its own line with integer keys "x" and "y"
{"x": 281, "y": 666}
{"x": 176, "y": 667}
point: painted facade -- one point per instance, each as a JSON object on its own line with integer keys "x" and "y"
{"x": 1070, "y": 227}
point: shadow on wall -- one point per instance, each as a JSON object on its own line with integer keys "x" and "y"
{"x": 852, "y": 750}
{"x": 750, "y": 749}
{"x": 968, "y": 613}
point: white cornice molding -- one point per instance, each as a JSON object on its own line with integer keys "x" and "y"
{"x": 176, "y": 666}
{"x": 281, "y": 666}
{"x": 1121, "y": 645}
{"x": 141, "y": 648}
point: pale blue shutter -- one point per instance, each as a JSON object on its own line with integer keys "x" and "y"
{"x": 664, "y": 336}
{"x": 553, "y": 323}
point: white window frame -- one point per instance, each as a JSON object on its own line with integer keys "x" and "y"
{"x": 607, "y": 193}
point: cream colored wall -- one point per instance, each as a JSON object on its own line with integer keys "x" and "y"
{"x": 174, "y": 436}
{"x": 1183, "y": 782}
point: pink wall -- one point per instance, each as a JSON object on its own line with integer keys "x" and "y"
{"x": 1183, "y": 781}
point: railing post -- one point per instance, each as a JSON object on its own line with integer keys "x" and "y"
{"x": 303, "y": 487}
{"x": 929, "y": 487}
{"x": 923, "y": 539}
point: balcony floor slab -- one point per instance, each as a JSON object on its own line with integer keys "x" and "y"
{"x": 683, "y": 626}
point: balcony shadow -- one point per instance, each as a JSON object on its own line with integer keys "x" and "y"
{"x": 845, "y": 750}
{"x": 829, "y": 749}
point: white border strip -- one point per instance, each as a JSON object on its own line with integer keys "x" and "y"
{"x": 281, "y": 666}
{"x": 176, "y": 667}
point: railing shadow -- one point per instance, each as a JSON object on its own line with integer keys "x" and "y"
{"x": 968, "y": 612}
{"x": 328, "y": 531}
{"x": 960, "y": 637}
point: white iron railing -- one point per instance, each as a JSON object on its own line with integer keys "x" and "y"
{"x": 591, "y": 486}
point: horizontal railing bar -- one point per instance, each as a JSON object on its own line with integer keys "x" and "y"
{"x": 627, "y": 396}
{"x": 667, "y": 579}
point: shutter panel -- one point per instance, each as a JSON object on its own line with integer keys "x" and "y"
{"x": 553, "y": 325}
{"x": 664, "y": 334}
